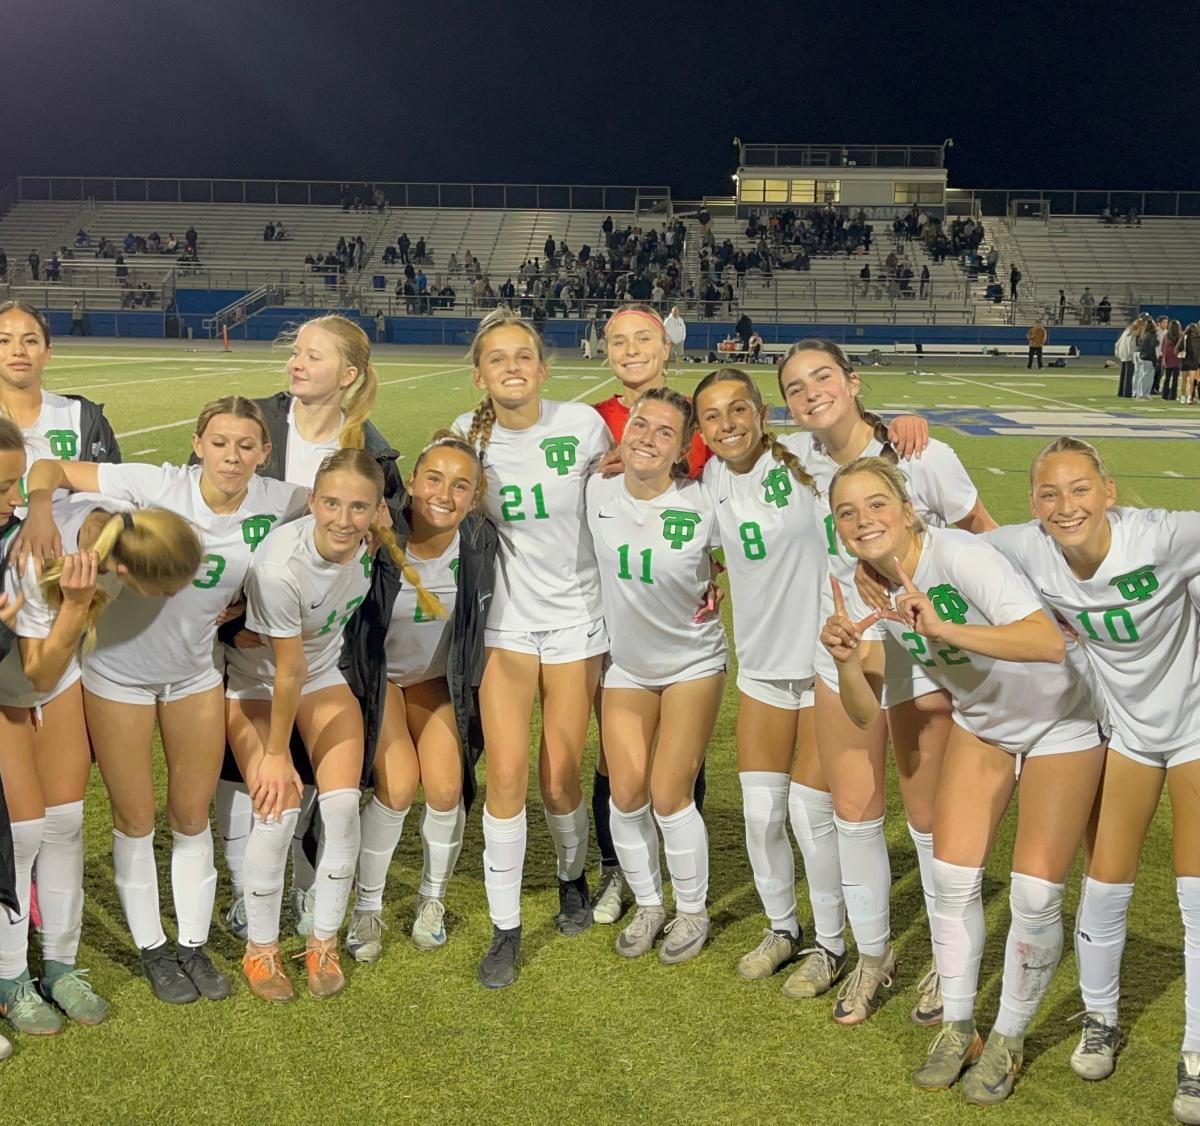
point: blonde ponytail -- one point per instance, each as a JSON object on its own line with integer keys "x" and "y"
{"x": 358, "y": 405}
{"x": 784, "y": 456}
{"x": 431, "y": 606}
{"x": 482, "y": 421}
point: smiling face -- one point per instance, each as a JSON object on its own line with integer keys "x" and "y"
{"x": 12, "y": 469}
{"x": 24, "y": 352}
{"x": 1070, "y": 498}
{"x": 637, "y": 350}
{"x": 443, "y": 487}
{"x": 731, "y": 422}
{"x": 230, "y": 449}
{"x": 871, "y": 520}
{"x": 653, "y": 440}
{"x": 510, "y": 368}
{"x": 344, "y": 504}
{"x": 818, "y": 393}
{"x": 317, "y": 373}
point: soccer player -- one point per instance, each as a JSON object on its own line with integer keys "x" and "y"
{"x": 977, "y": 628}
{"x": 155, "y": 553}
{"x": 653, "y": 531}
{"x": 156, "y": 662}
{"x": 822, "y": 393}
{"x": 1120, "y": 578}
{"x": 304, "y": 585}
{"x": 545, "y": 626}
{"x": 420, "y": 705}
{"x": 332, "y": 387}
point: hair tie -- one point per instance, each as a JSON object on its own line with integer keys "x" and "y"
{"x": 127, "y": 520}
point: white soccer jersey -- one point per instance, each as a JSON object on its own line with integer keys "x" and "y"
{"x": 545, "y": 567}
{"x": 292, "y": 591}
{"x": 654, "y": 560}
{"x": 1135, "y": 619}
{"x": 304, "y": 457}
{"x": 417, "y": 645}
{"x": 55, "y": 435}
{"x": 166, "y": 640}
{"x": 942, "y": 494}
{"x": 1014, "y": 705}
{"x": 776, "y": 563}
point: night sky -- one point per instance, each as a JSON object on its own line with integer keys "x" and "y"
{"x": 1047, "y": 95}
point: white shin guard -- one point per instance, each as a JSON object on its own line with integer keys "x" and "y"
{"x": 193, "y": 885}
{"x": 765, "y": 812}
{"x": 504, "y": 840}
{"x": 339, "y": 854}
{"x": 233, "y": 812}
{"x": 685, "y": 842}
{"x": 382, "y": 827}
{"x": 266, "y": 863}
{"x": 569, "y": 832}
{"x": 866, "y": 883}
{"x": 441, "y": 839}
{"x": 958, "y": 936}
{"x": 1032, "y": 953}
{"x": 137, "y": 888}
{"x": 1100, "y": 929}
{"x": 14, "y": 930}
{"x": 815, "y": 830}
{"x": 636, "y": 842}
{"x": 60, "y": 882}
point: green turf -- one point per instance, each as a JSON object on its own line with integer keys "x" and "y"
{"x": 585, "y": 1036}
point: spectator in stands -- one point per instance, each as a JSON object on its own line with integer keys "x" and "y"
{"x": 1172, "y": 360}
{"x": 550, "y": 250}
{"x": 1104, "y": 311}
{"x": 992, "y": 260}
{"x": 755, "y": 344}
{"x": 402, "y": 244}
{"x": 422, "y": 284}
{"x": 410, "y": 297}
{"x": 1036, "y": 336}
{"x": 676, "y": 330}
{"x": 381, "y": 201}
{"x": 389, "y": 255}
{"x": 1087, "y": 303}
{"x": 994, "y": 292}
{"x": 77, "y": 322}
{"x": 172, "y": 243}
{"x": 1191, "y": 362}
{"x": 54, "y": 268}
{"x": 269, "y": 232}
{"x": 192, "y": 240}
{"x": 82, "y": 238}
{"x": 1062, "y": 306}
{"x": 121, "y": 271}
{"x": 508, "y": 292}
{"x": 360, "y": 251}
{"x": 3, "y": 265}
{"x": 924, "y": 287}
{"x": 864, "y": 275}
{"x": 1125, "y": 351}
{"x": 280, "y": 231}
{"x": 447, "y": 296}
{"x": 129, "y": 243}
{"x": 743, "y": 330}
{"x": 606, "y": 230}
{"x": 452, "y": 266}
{"x": 380, "y": 326}
{"x": 711, "y": 296}
{"x": 1014, "y": 280}
{"x": 35, "y": 264}
{"x": 1106, "y": 216}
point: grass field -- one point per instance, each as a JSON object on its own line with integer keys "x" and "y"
{"x": 585, "y": 1036}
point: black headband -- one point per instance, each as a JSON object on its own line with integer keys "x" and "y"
{"x": 127, "y": 520}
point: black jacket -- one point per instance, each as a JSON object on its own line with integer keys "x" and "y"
{"x": 276, "y": 408}
{"x": 364, "y": 663}
{"x": 97, "y": 442}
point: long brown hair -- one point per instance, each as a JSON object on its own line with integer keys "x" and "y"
{"x": 30, "y": 311}
{"x": 683, "y": 405}
{"x": 237, "y": 406}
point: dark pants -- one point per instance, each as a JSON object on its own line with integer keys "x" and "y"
{"x": 1125, "y": 380}
{"x": 1158, "y": 372}
{"x": 1034, "y": 352}
{"x": 1170, "y": 384}
{"x": 78, "y": 325}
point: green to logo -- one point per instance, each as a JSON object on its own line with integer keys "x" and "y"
{"x": 454, "y": 567}
{"x": 777, "y": 486}
{"x": 679, "y": 526}
{"x": 560, "y": 453}
{"x": 64, "y": 444}
{"x": 1138, "y": 585}
{"x": 949, "y": 604}
{"x": 367, "y": 564}
{"x": 255, "y": 529}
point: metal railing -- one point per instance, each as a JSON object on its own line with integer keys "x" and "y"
{"x": 840, "y": 156}
{"x": 998, "y": 201}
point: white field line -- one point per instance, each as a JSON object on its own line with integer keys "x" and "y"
{"x": 191, "y": 377}
{"x": 163, "y": 426}
{"x": 1035, "y": 395}
{"x": 417, "y": 378}
{"x": 147, "y": 450}
{"x": 590, "y": 389}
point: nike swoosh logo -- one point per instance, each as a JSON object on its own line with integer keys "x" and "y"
{"x": 606, "y": 516}
{"x": 498, "y": 871}
{"x": 314, "y": 605}
{"x": 722, "y": 500}
{"x": 592, "y": 633}
{"x": 261, "y": 894}
{"x": 345, "y": 877}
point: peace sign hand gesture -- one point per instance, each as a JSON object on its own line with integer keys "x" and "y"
{"x": 915, "y": 610}
{"x": 841, "y": 634}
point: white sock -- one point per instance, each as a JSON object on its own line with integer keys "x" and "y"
{"x": 342, "y": 836}
{"x": 193, "y": 885}
{"x": 381, "y": 830}
{"x": 233, "y": 812}
{"x": 1031, "y": 955}
{"x": 816, "y": 835}
{"x": 923, "y": 842}
{"x": 569, "y": 832}
{"x": 60, "y": 882}
{"x": 866, "y": 883}
{"x": 636, "y": 841}
{"x": 685, "y": 841}
{"x": 14, "y": 932}
{"x": 441, "y": 838}
{"x": 504, "y": 866}
{"x": 1187, "y": 889}
{"x": 958, "y": 934}
{"x": 765, "y": 811}
{"x": 266, "y": 862}
{"x": 1100, "y": 928}
{"x": 304, "y": 872}
{"x": 136, "y": 877}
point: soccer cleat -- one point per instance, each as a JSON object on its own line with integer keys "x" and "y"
{"x": 429, "y": 926}
{"x": 955, "y": 1048}
{"x": 928, "y": 1010}
{"x": 499, "y": 966}
{"x": 992, "y": 1078}
{"x": 364, "y": 938}
{"x": 1186, "y": 1106}
{"x": 171, "y": 985}
{"x": 686, "y": 935}
{"x": 1095, "y": 1055}
{"x": 73, "y": 994}
{"x": 28, "y": 1012}
{"x": 859, "y": 996}
{"x": 210, "y": 983}
{"x": 302, "y": 910}
{"x": 639, "y": 936}
{"x": 5, "y": 1048}
{"x": 325, "y": 977}
{"x": 608, "y": 905}
{"x": 235, "y": 918}
{"x": 818, "y": 973}
{"x": 264, "y": 973}
{"x": 574, "y": 907}
{"x": 775, "y": 951}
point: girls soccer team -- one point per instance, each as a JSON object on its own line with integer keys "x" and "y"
{"x": 381, "y": 633}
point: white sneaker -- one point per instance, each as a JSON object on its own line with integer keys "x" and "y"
{"x": 235, "y": 917}
{"x": 302, "y": 910}
{"x": 364, "y": 939}
{"x": 1095, "y": 1055}
{"x": 429, "y": 928}
{"x": 608, "y": 905}
{"x": 1186, "y": 1106}
{"x": 5, "y": 1049}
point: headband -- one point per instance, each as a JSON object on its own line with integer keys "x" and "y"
{"x": 658, "y": 323}
{"x": 127, "y": 520}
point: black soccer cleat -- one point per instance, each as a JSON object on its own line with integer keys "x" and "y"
{"x": 499, "y": 966}
{"x": 574, "y": 907}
